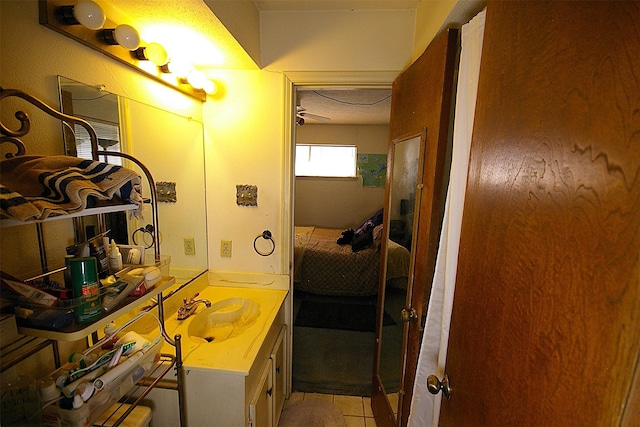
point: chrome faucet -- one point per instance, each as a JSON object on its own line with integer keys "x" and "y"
{"x": 188, "y": 307}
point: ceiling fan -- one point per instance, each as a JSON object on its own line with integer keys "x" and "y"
{"x": 301, "y": 114}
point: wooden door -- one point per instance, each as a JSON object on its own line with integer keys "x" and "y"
{"x": 420, "y": 105}
{"x": 546, "y": 316}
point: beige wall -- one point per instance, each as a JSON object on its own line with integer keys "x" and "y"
{"x": 244, "y": 134}
{"x": 339, "y": 202}
{"x": 242, "y": 19}
{"x": 429, "y": 17}
{"x": 433, "y": 16}
{"x": 337, "y": 40}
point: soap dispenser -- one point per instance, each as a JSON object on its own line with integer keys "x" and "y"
{"x": 115, "y": 258}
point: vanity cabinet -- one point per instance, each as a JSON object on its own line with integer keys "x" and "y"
{"x": 267, "y": 402}
{"x": 237, "y": 398}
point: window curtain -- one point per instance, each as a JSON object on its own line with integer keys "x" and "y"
{"x": 425, "y": 407}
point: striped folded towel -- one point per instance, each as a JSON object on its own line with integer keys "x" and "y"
{"x": 37, "y": 187}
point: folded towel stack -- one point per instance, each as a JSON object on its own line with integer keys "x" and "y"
{"x": 37, "y": 187}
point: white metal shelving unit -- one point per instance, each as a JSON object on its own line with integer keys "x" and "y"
{"x": 43, "y": 337}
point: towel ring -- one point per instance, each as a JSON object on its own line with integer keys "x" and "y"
{"x": 148, "y": 229}
{"x": 266, "y": 234}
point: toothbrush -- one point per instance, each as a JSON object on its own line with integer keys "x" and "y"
{"x": 69, "y": 389}
{"x": 105, "y": 358}
{"x": 122, "y": 350}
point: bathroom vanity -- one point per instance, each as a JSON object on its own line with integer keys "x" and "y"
{"x": 236, "y": 379}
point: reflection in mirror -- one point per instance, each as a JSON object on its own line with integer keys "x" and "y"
{"x": 165, "y": 143}
{"x": 398, "y": 257}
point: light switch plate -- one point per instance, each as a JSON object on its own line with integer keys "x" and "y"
{"x": 246, "y": 195}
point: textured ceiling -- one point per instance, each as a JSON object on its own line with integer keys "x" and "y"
{"x": 346, "y": 106}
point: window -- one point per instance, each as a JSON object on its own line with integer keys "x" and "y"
{"x": 326, "y": 160}
{"x": 108, "y": 139}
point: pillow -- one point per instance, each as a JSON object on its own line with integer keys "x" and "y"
{"x": 372, "y": 221}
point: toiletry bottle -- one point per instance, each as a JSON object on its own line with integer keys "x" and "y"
{"x": 86, "y": 289}
{"x": 99, "y": 252}
{"x": 110, "y": 330}
{"x": 115, "y": 258}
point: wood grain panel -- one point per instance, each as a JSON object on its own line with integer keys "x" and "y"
{"x": 546, "y": 322}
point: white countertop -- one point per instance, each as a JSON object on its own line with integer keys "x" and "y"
{"x": 235, "y": 354}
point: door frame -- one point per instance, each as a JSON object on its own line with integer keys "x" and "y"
{"x": 294, "y": 80}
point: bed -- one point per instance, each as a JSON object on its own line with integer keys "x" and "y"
{"x": 324, "y": 267}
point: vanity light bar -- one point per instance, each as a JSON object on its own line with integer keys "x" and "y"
{"x": 58, "y": 15}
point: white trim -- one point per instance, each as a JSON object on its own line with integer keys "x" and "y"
{"x": 360, "y": 79}
{"x": 292, "y": 81}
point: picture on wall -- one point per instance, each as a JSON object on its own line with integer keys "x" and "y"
{"x": 373, "y": 169}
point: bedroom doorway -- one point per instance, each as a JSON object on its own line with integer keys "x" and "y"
{"x": 334, "y": 322}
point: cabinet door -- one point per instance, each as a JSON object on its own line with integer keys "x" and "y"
{"x": 261, "y": 404}
{"x": 279, "y": 374}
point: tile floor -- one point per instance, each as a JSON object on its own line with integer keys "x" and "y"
{"x": 356, "y": 409}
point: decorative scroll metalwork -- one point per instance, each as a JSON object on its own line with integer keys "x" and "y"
{"x": 13, "y": 136}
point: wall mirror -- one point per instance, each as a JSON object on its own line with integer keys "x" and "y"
{"x": 170, "y": 146}
{"x": 399, "y": 247}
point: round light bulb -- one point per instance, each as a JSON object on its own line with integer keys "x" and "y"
{"x": 196, "y": 79}
{"x": 127, "y": 36}
{"x": 178, "y": 68}
{"x": 89, "y": 14}
{"x": 157, "y": 54}
{"x": 210, "y": 87}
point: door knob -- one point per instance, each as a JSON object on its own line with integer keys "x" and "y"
{"x": 409, "y": 314}
{"x": 434, "y": 385}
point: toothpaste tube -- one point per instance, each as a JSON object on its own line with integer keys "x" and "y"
{"x": 27, "y": 291}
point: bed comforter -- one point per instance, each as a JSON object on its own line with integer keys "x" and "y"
{"x": 323, "y": 267}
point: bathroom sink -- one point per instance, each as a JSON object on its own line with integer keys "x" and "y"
{"x": 223, "y": 320}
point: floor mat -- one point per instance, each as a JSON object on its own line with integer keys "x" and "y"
{"x": 340, "y": 361}
{"x": 343, "y": 316}
{"x": 312, "y": 413}
{"x": 332, "y": 361}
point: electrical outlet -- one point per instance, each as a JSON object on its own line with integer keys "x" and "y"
{"x": 225, "y": 248}
{"x": 189, "y": 246}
